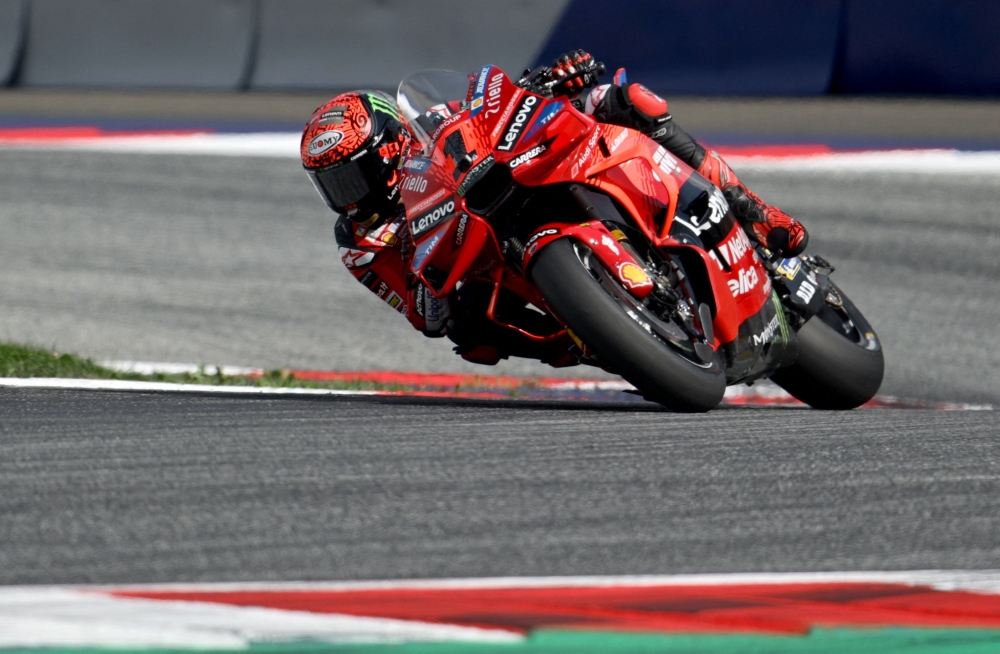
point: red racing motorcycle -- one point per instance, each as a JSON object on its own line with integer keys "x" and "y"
{"x": 636, "y": 258}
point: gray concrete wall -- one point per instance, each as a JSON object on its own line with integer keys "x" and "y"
{"x": 139, "y": 43}
{"x": 12, "y": 27}
{"x": 336, "y": 44}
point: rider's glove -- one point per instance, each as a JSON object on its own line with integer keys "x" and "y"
{"x": 573, "y": 72}
{"x": 569, "y": 74}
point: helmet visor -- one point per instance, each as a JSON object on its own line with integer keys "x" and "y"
{"x": 342, "y": 185}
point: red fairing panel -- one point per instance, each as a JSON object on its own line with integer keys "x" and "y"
{"x": 603, "y": 244}
{"x": 649, "y": 183}
{"x": 741, "y": 292}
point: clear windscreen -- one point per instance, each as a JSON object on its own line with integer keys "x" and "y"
{"x": 423, "y": 91}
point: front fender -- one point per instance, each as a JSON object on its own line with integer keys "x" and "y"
{"x": 602, "y": 242}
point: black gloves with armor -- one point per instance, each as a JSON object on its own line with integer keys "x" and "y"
{"x": 575, "y": 71}
{"x": 568, "y": 75}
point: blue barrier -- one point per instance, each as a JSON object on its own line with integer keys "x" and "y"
{"x": 732, "y": 47}
{"x": 743, "y": 47}
{"x": 12, "y": 24}
{"x": 926, "y": 47}
{"x": 340, "y": 44}
{"x": 139, "y": 43}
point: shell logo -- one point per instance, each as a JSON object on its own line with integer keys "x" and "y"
{"x": 633, "y": 276}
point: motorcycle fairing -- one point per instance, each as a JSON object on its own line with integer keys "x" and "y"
{"x": 672, "y": 204}
{"x": 550, "y": 142}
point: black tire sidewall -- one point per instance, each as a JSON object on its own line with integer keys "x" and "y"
{"x": 830, "y": 371}
{"x": 595, "y": 317}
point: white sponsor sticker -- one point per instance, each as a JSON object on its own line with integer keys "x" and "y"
{"x": 356, "y": 258}
{"x": 717, "y": 208}
{"x": 433, "y": 217}
{"x": 618, "y": 140}
{"x": 745, "y": 281}
{"x": 768, "y": 334}
{"x": 527, "y": 157}
{"x": 806, "y": 291}
{"x": 415, "y": 183}
{"x": 324, "y": 142}
{"x": 732, "y": 250}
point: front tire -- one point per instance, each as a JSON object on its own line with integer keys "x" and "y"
{"x": 840, "y": 363}
{"x": 618, "y": 339}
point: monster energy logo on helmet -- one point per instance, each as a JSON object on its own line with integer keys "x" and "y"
{"x": 381, "y": 103}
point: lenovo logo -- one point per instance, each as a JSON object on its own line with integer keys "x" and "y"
{"x": 517, "y": 124}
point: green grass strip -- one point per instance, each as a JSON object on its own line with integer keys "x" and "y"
{"x": 818, "y": 641}
{"x": 28, "y": 361}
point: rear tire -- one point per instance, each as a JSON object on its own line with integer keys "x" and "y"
{"x": 660, "y": 373}
{"x": 840, "y": 363}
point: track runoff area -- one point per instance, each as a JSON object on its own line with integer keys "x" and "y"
{"x": 934, "y": 611}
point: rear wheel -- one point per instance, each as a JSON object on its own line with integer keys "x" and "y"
{"x": 840, "y": 363}
{"x": 650, "y": 352}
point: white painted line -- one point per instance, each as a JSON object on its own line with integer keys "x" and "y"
{"x": 983, "y": 581}
{"x": 284, "y": 145}
{"x": 894, "y": 161}
{"x": 122, "y": 385}
{"x": 762, "y": 390}
{"x": 60, "y": 616}
{"x": 939, "y": 406}
{"x": 159, "y": 368}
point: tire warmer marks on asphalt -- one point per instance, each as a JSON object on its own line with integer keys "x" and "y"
{"x": 930, "y": 612}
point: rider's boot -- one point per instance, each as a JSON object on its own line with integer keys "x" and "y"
{"x": 766, "y": 223}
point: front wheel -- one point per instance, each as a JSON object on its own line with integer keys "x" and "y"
{"x": 840, "y": 363}
{"x": 636, "y": 344}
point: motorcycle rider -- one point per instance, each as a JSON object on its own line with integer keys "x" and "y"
{"x": 351, "y": 149}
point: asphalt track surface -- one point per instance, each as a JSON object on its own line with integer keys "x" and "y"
{"x": 132, "y": 487}
{"x": 223, "y": 260}
{"x": 228, "y": 260}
